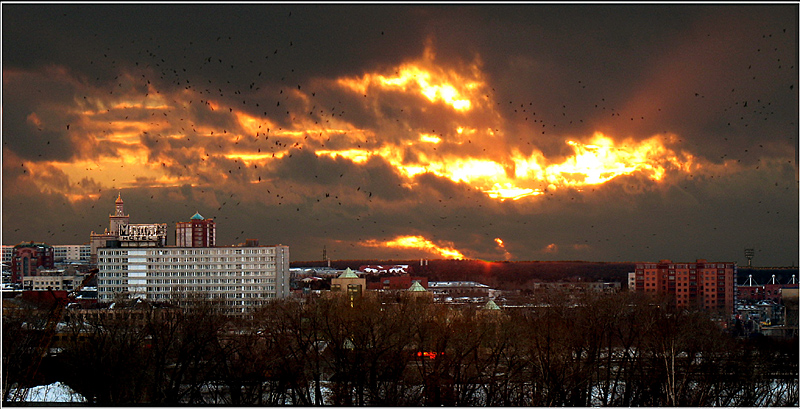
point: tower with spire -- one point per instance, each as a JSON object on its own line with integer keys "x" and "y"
{"x": 119, "y": 218}
{"x": 116, "y": 220}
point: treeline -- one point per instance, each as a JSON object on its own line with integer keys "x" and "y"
{"x": 601, "y": 350}
{"x": 516, "y": 275}
{"x": 521, "y": 275}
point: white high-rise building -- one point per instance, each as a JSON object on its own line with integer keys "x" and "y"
{"x": 241, "y": 277}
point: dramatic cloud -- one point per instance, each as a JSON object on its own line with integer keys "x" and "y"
{"x": 516, "y": 133}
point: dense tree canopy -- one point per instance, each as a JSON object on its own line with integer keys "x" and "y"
{"x": 619, "y": 349}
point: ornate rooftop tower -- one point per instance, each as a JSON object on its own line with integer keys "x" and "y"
{"x": 119, "y": 218}
{"x": 115, "y": 221}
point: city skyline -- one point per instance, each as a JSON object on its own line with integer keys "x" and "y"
{"x": 514, "y": 132}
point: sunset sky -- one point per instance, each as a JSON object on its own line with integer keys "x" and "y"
{"x": 515, "y": 132}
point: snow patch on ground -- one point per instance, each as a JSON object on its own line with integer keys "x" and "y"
{"x": 55, "y": 392}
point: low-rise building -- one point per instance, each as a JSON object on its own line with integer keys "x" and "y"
{"x": 460, "y": 291}
{"x": 417, "y": 290}
{"x": 63, "y": 253}
{"x": 350, "y": 282}
{"x": 579, "y": 286}
{"x": 402, "y": 282}
{"x": 56, "y": 280}
{"x": 459, "y": 288}
{"x": 771, "y": 291}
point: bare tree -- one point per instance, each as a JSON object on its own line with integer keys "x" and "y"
{"x": 622, "y": 349}
{"x": 23, "y": 329}
{"x": 107, "y": 358}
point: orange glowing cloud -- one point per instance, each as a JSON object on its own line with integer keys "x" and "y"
{"x": 603, "y": 159}
{"x": 502, "y": 245}
{"x": 156, "y": 138}
{"x": 551, "y": 248}
{"x": 49, "y": 178}
{"x": 253, "y": 125}
{"x": 429, "y": 138}
{"x": 510, "y": 191}
{"x": 34, "y": 119}
{"x": 354, "y": 155}
{"x": 414, "y": 78}
{"x": 475, "y": 152}
{"x": 121, "y": 170}
{"x": 593, "y": 163}
{"x": 419, "y": 243}
{"x": 424, "y": 78}
{"x": 151, "y": 139}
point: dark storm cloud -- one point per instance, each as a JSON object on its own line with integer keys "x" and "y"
{"x": 32, "y": 124}
{"x": 280, "y": 38}
{"x": 374, "y": 179}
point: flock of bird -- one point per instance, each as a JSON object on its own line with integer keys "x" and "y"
{"x": 216, "y": 80}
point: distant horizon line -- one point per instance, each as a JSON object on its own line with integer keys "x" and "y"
{"x": 546, "y": 261}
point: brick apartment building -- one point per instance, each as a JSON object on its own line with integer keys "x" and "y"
{"x": 27, "y": 257}
{"x": 710, "y": 285}
{"x": 197, "y": 232}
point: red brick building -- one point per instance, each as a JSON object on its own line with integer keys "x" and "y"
{"x": 27, "y": 257}
{"x": 772, "y": 291}
{"x": 704, "y": 284}
{"x": 198, "y": 232}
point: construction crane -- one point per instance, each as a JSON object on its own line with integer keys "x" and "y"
{"x": 42, "y": 348}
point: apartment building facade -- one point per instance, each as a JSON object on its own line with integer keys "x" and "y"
{"x": 72, "y": 252}
{"x": 240, "y": 277}
{"x": 710, "y": 285}
{"x": 197, "y": 232}
{"x": 27, "y": 257}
